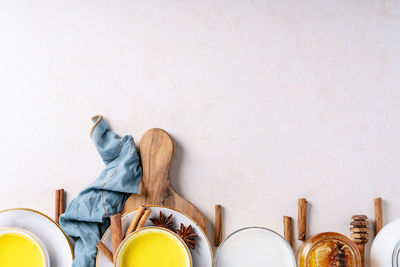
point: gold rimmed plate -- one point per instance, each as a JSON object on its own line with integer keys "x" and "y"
{"x": 201, "y": 256}
{"x": 50, "y": 234}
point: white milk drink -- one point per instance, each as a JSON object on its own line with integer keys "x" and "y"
{"x": 255, "y": 247}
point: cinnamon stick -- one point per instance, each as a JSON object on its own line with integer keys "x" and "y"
{"x": 218, "y": 225}
{"x": 103, "y": 249}
{"x": 57, "y": 206}
{"x": 135, "y": 220}
{"x": 143, "y": 220}
{"x": 378, "y": 214}
{"x": 62, "y": 202}
{"x": 302, "y": 219}
{"x": 288, "y": 229}
{"x": 116, "y": 231}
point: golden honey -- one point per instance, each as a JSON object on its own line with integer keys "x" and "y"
{"x": 331, "y": 253}
{"x": 329, "y": 249}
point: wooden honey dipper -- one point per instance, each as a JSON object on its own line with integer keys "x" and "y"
{"x": 359, "y": 228}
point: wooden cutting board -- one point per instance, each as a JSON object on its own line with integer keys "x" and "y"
{"x": 156, "y": 151}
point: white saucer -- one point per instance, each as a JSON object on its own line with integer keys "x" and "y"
{"x": 385, "y": 248}
{"x": 53, "y": 238}
{"x": 201, "y": 255}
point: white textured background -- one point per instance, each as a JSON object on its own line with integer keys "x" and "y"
{"x": 267, "y": 101}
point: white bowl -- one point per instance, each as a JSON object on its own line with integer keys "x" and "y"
{"x": 254, "y": 246}
{"x": 30, "y": 236}
{"x": 144, "y": 230}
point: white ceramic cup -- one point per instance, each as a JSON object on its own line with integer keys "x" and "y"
{"x": 30, "y": 236}
{"x": 144, "y": 230}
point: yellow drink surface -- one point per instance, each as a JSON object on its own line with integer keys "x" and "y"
{"x": 153, "y": 249}
{"x": 17, "y": 250}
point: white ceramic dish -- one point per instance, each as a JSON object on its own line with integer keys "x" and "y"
{"x": 386, "y": 246}
{"x": 45, "y": 229}
{"x": 30, "y": 236}
{"x": 201, "y": 255}
{"x": 145, "y": 230}
{"x": 255, "y": 247}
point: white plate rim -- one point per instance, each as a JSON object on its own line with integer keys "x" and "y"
{"x": 48, "y": 218}
{"x": 380, "y": 239}
{"x": 161, "y": 206}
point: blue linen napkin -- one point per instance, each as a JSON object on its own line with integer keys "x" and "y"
{"x": 87, "y": 216}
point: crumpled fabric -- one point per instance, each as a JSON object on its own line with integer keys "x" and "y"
{"x": 87, "y": 216}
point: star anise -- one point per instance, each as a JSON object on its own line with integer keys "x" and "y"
{"x": 162, "y": 221}
{"x": 187, "y": 235}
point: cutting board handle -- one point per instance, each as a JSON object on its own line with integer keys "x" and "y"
{"x": 156, "y": 151}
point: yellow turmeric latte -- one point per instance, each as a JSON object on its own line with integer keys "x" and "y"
{"x": 153, "y": 249}
{"x": 17, "y": 250}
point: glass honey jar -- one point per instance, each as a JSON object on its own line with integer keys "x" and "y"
{"x": 329, "y": 250}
